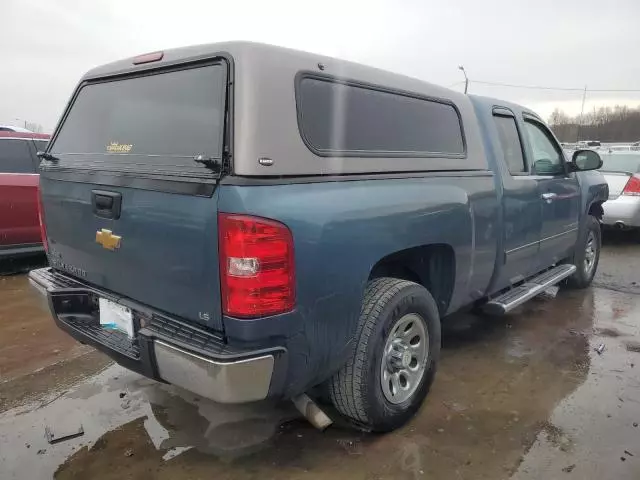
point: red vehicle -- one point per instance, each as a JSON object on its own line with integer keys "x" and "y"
{"x": 19, "y": 179}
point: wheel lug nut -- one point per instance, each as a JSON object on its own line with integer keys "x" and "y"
{"x": 399, "y": 357}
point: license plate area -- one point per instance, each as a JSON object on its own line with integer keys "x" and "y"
{"x": 80, "y": 310}
{"x": 114, "y": 316}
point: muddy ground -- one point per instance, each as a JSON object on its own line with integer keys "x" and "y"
{"x": 526, "y": 396}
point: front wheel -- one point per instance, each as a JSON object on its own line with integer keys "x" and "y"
{"x": 587, "y": 255}
{"x": 395, "y": 356}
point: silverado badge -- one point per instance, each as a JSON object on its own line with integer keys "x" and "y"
{"x": 115, "y": 147}
{"x": 107, "y": 239}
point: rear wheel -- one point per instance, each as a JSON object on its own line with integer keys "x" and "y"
{"x": 395, "y": 356}
{"x": 587, "y": 255}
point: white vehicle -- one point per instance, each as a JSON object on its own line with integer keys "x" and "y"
{"x": 622, "y": 148}
{"x": 589, "y": 144}
{"x": 622, "y": 172}
{"x": 10, "y": 128}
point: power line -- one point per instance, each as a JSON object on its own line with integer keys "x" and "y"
{"x": 532, "y": 87}
{"x": 614, "y": 90}
{"x": 537, "y": 87}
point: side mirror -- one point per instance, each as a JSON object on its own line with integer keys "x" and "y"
{"x": 583, "y": 160}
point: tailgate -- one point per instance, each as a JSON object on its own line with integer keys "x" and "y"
{"x": 167, "y": 249}
{"x": 129, "y": 205}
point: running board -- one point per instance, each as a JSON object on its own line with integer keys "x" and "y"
{"x": 533, "y": 287}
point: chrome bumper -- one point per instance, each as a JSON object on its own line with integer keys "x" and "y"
{"x": 230, "y": 382}
{"x": 622, "y": 211}
{"x": 43, "y": 294}
{"x": 218, "y": 374}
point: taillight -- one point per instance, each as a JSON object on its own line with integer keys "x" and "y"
{"x": 148, "y": 58}
{"x": 257, "y": 271}
{"x": 632, "y": 187}
{"x": 43, "y": 228}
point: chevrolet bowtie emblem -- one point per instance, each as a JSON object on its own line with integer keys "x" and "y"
{"x": 107, "y": 239}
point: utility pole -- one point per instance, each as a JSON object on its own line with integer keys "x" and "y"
{"x": 466, "y": 79}
{"x": 584, "y": 97}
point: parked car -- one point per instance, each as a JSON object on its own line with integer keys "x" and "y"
{"x": 308, "y": 223}
{"x": 589, "y": 144}
{"x": 618, "y": 148}
{"x": 622, "y": 172}
{"x": 19, "y": 225}
{"x": 11, "y": 128}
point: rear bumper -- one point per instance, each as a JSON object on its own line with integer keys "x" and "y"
{"x": 164, "y": 348}
{"x": 21, "y": 250}
{"x": 623, "y": 211}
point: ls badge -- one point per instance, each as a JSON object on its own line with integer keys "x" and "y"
{"x": 107, "y": 239}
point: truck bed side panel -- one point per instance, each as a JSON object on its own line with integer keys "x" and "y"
{"x": 341, "y": 229}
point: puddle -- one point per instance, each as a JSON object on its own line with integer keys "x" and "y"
{"x": 505, "y": 386}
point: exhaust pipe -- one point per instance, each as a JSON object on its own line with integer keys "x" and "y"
{"x": 620, "y": 225}
{"x": 312, "y": 412}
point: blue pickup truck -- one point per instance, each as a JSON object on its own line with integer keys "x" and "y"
{"x": 250, "y": 222}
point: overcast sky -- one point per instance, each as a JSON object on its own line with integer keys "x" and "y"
{"x": 48, "y": 44}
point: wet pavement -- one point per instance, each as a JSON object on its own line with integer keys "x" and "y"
{"x": 552, "y": 391}
{"x": 23, "y": 327}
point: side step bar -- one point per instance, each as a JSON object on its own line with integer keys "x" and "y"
{"x": 535, "y": 286}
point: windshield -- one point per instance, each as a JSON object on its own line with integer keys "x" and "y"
{"x": 628, "y": 163}
{"x": 148, "y": 124}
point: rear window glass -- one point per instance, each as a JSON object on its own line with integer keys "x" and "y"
{"x": 621, "y": 162}
{"x": 341, "y": 118}
{"x": 15, "y": 157}
{"x": 149, "y": 124}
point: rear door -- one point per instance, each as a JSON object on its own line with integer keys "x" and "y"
{"x": 559, "y": 193}
{"x": 127, "y": 206}
{"x": 520, "y": 202}
{"x": 18, "y": 194}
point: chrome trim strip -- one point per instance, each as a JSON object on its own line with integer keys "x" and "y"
{"x": 540, "y": 241}
{"x": 558, "y": 235}
{"x": 521, "y": 247}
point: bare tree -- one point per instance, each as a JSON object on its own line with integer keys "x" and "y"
{"x": 34, "y": 127}
{"x": 618, "y": 124}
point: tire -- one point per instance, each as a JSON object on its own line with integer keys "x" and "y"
{"x": 583, "y": 276}
{"x": 389, "y": 310}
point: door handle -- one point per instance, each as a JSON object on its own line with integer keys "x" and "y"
{"x": 549, "y": 196}
{"x": 106, "y": 204}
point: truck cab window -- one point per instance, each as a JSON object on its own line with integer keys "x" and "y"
{"x": 15, "y": 157}
{"x": 510, "y": 143}
{"x": 547, "y": 156}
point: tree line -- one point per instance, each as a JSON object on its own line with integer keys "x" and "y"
{"x": 607, "y": 124}
{"x": 34, "y": 127}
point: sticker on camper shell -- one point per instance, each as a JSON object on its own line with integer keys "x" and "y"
{"x": 115, "y": 147}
